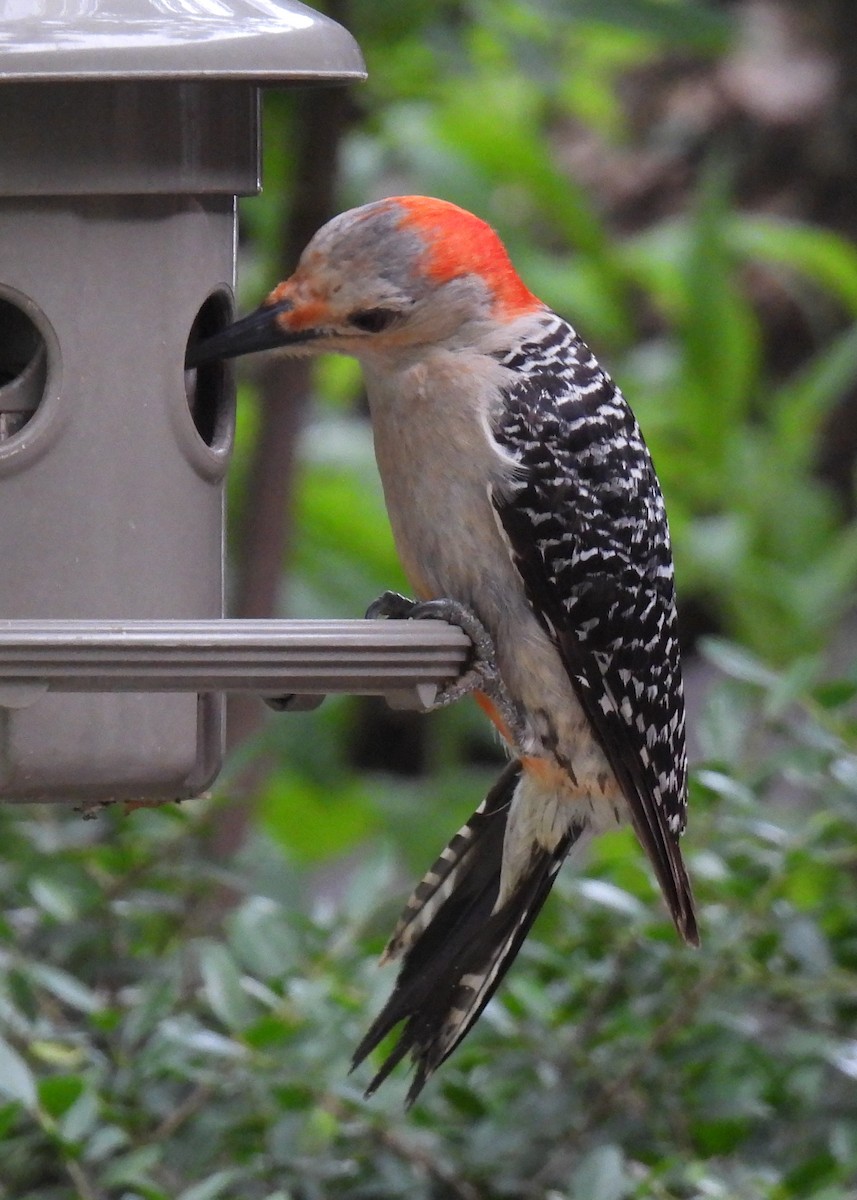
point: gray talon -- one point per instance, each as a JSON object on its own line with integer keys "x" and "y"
{"x": 392, "y": 605}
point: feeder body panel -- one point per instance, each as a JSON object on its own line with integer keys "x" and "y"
{"x": 111, "y": 501}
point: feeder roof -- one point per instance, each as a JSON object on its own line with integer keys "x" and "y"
{"x": 259, "y": 41}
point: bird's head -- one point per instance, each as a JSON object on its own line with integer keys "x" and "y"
{"x": 384, "y": 279}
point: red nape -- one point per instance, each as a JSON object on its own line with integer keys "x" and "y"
{"x": 458, "y": 243}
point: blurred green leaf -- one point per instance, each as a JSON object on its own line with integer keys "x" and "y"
{"x": 16, "y": 1078}
{"x": 719, "y": 333}
{"x": 816, "y": 254}
{"x": 57, "y": 1093}
{"x": 802, "y": 403}
{"x": 738, "y": 663}
{"x": 599, "y": 891}
{"x": 55, "y": 897}
{"x": 211, "y": 1188}
{"x": 81, "y": 1122}
{"x": 133, "y": 1170}
{"x": 601, "y": 1176}
{"x": 221, "y": 981}
{"x": 260, "y": 938}
{"x": 65, "y": 987}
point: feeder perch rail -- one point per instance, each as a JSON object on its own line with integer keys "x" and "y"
{"x": 292, "y": 664}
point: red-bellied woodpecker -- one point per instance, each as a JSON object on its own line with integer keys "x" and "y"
{"x": 520, "y": 491}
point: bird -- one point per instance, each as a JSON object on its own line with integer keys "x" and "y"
{"x": 525, "y": 507}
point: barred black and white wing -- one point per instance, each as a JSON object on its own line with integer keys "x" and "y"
{"x": 586, "y": 523}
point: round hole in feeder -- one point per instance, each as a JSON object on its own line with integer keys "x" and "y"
{"x": 208, "y": 387}
{"x": 23, "y": 368}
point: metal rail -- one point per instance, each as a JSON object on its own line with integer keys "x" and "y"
{"x": 404, "y": 661}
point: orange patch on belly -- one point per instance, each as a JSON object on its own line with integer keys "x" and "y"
{"x": 491, "y": 711}
{"x": 597, "y": 789}
{"x": 549, "y": 774}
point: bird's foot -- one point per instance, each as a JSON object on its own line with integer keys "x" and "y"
{"x": 482, "y": 673}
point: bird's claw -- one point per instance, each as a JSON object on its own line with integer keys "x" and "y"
{"x": 392, "y": 605}
{"x": 482, "y": 673}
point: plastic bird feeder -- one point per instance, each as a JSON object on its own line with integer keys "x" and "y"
{"x": 127, "y": 129}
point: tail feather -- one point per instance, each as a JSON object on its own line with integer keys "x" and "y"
{"x": 455, "y": 948}
{"x": 443, "y": 876}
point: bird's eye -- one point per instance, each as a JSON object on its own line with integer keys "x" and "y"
{"x": 372, "y": 320}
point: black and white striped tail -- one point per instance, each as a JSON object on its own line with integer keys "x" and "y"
{"x": 455, "y": 949}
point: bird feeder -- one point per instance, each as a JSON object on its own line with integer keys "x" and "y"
{"x": 127, "y": 129}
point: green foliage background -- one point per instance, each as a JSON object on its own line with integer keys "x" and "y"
{"x": 175, "y": 1027}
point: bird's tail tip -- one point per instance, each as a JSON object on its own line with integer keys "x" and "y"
{"x": 455, "y": 942}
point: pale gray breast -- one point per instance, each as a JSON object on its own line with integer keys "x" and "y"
{"x": 436, "y": 462}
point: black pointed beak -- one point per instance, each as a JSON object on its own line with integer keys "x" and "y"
{"x": 258, "y": 331}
